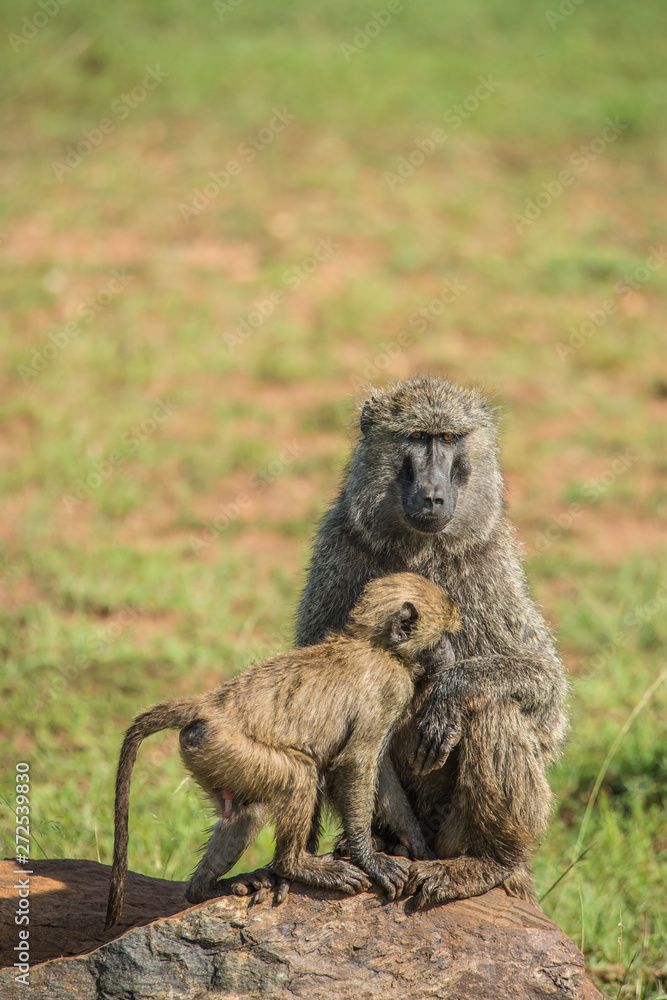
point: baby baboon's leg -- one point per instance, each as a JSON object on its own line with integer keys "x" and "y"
{"x": 500, "y": 804}
{"x": 293, "y": 813}
{"x": 353, "y": 793}
{"x": 227, "y": 843}
{"x": 231, "y": 766}
{"x": 316, "y": 823}
{"x": 262, "y": 880}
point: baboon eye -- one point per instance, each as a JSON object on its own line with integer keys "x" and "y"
{"x": 447, "y": 436}
{"x": 418, "y": 436}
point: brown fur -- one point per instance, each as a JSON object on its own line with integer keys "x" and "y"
{"x": 306, "y": 723}
{"x": 473, "y": 753}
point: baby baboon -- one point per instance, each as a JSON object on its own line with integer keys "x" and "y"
{"x": 307, "y": 724}
{"x": 423, "y": 493}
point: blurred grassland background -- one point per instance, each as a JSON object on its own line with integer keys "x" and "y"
{"x": 119, "y": 588}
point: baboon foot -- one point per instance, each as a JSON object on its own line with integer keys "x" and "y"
{"x": 389, "y": 873}
{"x": 199, "y": 889}
{"x": 259, "y": 883}
{"x": 432, "y": 882}
{"x": 408, "y": 847}
{"x": 401, "y": 851}
{"x": 326, "y": 872}
{"x": 521, "y": 883}
{"x": 412, "y": 847}
{"x": 429, "y": 884}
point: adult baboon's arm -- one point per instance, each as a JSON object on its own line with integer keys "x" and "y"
{"x": 532, "y": 680}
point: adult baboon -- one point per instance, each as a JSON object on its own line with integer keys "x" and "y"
{"x": 307, "y": 724}
{"x": 423, "y": 492}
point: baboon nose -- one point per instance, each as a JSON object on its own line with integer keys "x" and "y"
{"x": 433, "y": 498}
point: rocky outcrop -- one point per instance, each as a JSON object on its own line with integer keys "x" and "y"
{"x": 316, "y": 945}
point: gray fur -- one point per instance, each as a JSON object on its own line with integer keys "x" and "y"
{"x": 490, "y": 802}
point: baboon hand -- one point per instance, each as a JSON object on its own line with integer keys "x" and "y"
{"x": 342, "y": 875}
{"x": 325, "y": 872}
{"x": 437, "y": 733}
{"x": 389, "y": 873}
{"x": 259, "y": 883}
{"x": 429, "y": 883}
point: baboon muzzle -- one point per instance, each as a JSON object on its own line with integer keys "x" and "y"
{"x": 427, "y": 492}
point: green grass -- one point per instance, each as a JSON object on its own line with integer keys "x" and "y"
{"x": 123, "y": 594}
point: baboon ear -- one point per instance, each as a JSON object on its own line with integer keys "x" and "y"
{"x": 405, "y": 622}
{"x": 366, "y": 419}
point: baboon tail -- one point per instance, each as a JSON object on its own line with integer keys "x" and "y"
{"x": 170, "y": 715}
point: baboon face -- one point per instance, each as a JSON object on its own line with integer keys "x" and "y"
{"x": 426, "y": 464}
{"x": 433, "y": 468}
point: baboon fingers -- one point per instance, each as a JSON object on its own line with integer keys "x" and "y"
{"x": 389, "y": 873}
{"x": 407, "y": 843}
{"x": 259, "y": 883}
{"x": 281, "y": 887}
{"x": 253, "y": 882}
{"x": 353, "y": 881}
{"x": 422, "y": 872}
{"x": 436, "y": 759}
{"x": 431, "y": 894}
{"x": 282, "y": 890}
{"x": 457, "y": 878}
{"x": 431, "y": 748}
{"x": 326, "y": 872}
{"x": 425, "y": 756}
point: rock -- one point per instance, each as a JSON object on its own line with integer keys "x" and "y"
{"x": 316, "y": 945}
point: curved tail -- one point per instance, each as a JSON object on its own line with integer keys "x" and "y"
{"x": 170, "y": 715}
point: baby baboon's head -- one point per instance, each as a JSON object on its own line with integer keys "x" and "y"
{"x": 405, "y": 612}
